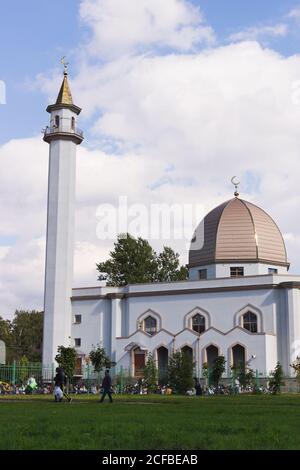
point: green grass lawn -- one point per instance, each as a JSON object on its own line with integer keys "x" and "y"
{"x": 151, "y": 422}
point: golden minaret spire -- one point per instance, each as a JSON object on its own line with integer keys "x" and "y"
{"x": 65, "y": 95}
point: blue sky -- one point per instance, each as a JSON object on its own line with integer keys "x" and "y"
{"x": 32, "y": 42}
{"x": 227, "y": 16}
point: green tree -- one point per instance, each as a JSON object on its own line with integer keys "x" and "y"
{"x": 169, "y": 268}
{"x": 244, "y": 375}
{"x": 66, "y": 358}
{"x": 23, "y": 371}
{"x": 205, "y": 371}
{"x": 5, "y": 330}
{"x": 6, "y": 336}
{"x": 217, "y": 370}
{"x": 276, "y": 382}
{"x": 296, "y": 367}
{"x": 180, "y": 372}
{"x": 27, "y": 335}
{"x": 133, "y": 261}
{"x": 99, "y": 359}
{"x": 151, "y": 374}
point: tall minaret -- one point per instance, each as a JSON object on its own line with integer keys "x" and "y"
{"x": 63, "y": 136}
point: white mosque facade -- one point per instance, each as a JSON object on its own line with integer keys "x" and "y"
{"x": 240, "y": 301}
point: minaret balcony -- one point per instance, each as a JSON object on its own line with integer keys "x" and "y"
{"x": 63, "y": 132}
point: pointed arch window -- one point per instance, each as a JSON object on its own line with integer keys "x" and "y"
{"x": 198, "y": 323}
{"x": 56, "y": 124}
{"x": 250, "y": 322}
{"x": 150, "y": 326}
{"x": 73, "y": 123}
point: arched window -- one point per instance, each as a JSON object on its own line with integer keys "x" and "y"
{"x": 150, "y": 325}
{"x": 250, "y": 322}
{"x": 56, "y": 121}
{"x": 73, "y": 123}
{"x": 198, "y": 323}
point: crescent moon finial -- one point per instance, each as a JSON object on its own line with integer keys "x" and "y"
{"x": 65, "y": 64}
{"x": 236, "y": 184}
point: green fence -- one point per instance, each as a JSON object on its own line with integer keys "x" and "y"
{"x": 17, "y": 374}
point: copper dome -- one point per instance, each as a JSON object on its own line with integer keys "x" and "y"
{"x": 238, "y": 231}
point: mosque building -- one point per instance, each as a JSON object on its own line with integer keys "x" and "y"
{"x": 239, "y": 300}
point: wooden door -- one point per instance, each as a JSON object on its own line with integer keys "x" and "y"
{"x": 139, "y": 363}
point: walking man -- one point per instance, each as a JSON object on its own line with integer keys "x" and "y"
{"x": 59, "y": 381}
{"x": 106, "y": 386}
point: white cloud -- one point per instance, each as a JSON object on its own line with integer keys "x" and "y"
{"x": 4, "y": 250}
{"x": 260, "y": 32}
{"x": 23, "y": 179}
{"x": 295, "y": 13}
{"x": 121, "y": 27}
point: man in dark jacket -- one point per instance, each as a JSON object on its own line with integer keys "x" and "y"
{"x": 106, "y": 386}
{"x": 198, "y": 387}
{"x": 60, "y": 380}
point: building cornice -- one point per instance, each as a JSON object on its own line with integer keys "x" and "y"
{"x": 289, "y": 285}
{"x": 178, "y": 292}
{"x": 198, "y": 336}
{"x": 58, "y": 106}
{"x": 77, "y": 138}
{"x": 238, "y": 261}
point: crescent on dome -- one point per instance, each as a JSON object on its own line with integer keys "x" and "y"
{"x": 234, "y": 181}
{"x": 236, "y": 184}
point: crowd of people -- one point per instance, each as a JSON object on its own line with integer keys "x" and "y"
{"x": 26, "y": 387}
{"x": 58, "y": 388}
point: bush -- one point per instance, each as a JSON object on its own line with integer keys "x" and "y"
{"x": 150, "y": 374}
{"x": 218, "y": 370}
{"x": 276, "y": 382}
{"x": 180, "y": 372}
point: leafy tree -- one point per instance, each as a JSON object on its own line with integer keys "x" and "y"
{"x": 276, "y": 382}
{"x": 23, "y": 371}
{"x": 23, "y": 335}
{"x": 169, "y": 268}
{"x": 134, "y": 261}
{"x": 150, "y": 374}
{"x": 27, "y": 335}
{"x": 245, "y": 376}
{"x": 66, "y": 358}
{"x": 180, "y": 372}
{"x": 6, "y": 336}
{"x": 131, "y": 261}
{"x": 5, "y": 330}
{"x": 205, "y": 371}
{"x": 218, "y": 369}
{"x": 296, "y": 367}
{"x": 99, "y": 359}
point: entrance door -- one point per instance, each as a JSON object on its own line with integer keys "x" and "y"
{"x": 139, "y": 362}
{"x": 78, "y": 366}
{"x": 238, "y": 356}
{"x": 162, "y": 362}
{"x": 212, "y": 353}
